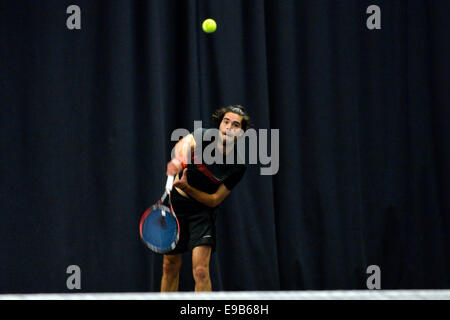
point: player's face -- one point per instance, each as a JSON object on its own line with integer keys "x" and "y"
{"x": 230, "y": 127}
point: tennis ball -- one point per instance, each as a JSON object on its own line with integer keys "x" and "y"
{"x": 209, "y": 26}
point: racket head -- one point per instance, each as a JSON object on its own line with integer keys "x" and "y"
{"x": 159, "y": 228}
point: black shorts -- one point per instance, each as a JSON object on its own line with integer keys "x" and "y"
{"x": 197, "y": 224}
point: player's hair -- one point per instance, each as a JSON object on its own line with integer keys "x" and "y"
{"x": 237, "y": 109}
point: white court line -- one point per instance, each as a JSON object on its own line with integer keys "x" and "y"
{"x": 244, "y": 295}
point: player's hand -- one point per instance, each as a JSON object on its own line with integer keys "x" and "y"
{"x": 173, "y": 167}
{"x": 182, "y": 183}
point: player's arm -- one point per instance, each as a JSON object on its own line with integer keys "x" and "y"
{"x": 209, "y": 200}
{"x": 181, "y": 153}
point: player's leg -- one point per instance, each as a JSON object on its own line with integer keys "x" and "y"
{"x": 171, "y": 272}
{"x": 200, "y": 267}
{"x": 172, "y": 260}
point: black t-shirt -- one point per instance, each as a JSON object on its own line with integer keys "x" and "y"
{"x": 206, "y": 176}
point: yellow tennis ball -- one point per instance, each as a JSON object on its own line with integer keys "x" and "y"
{"x": 209, "y": 26}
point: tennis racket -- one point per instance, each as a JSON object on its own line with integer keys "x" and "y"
{"x": 159, "y": 228}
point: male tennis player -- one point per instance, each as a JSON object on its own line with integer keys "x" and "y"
{"x": 199, "y": 188}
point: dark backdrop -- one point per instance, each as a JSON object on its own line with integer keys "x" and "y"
{"x": 86, "y": 119}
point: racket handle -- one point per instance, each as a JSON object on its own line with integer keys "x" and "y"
{"x": 169, "y": 183}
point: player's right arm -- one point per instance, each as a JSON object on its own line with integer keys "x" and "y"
{"x": 181, "y": 152}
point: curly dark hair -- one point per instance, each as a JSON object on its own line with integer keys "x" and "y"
{"x": 237, "y": 109}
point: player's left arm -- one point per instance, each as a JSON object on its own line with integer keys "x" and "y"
{"x": 208, "y": 199}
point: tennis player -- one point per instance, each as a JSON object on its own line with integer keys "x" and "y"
{"x": 198, "y": 190}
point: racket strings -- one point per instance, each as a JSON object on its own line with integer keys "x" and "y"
{"x": 162, "y": 230}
